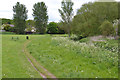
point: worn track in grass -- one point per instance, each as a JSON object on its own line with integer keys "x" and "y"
{"x": 40, "y": 69}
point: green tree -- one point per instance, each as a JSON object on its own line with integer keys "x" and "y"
{"x": 106, "y": 28}
{"x": 19, "y": 17}
{"x": 91, "y": 15}
{"x": 7, "y": 21}
{"x": 40, "y": 16}
{"x": 0, "y": 24}
{"x": 52, "y": 28}
{"x": 66, "y": 15}
{"x": 29, "y": 25}
{"x": 60, "y": 28}
{"x": 85, "y": 21}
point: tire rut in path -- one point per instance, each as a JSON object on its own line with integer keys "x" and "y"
{"x": 34, "y": 60}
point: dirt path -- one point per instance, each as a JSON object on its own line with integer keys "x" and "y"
{"x": 44, "y": 72}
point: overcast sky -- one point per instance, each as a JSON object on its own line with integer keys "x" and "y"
{"x": 6, "y": 7}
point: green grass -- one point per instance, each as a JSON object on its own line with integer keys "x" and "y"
{"x": 67, "y": 58}
{"x": 111, "y": 45}
{"x": 0, "y": 57}
{"x": 61, "y": 56}
{"x": 7, "y": 33}
{"x": 14, "y": 62}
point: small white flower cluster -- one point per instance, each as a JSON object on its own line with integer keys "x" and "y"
{"x": 75, "y": 45}
{"x": 66, "y": 41}
{"x": 88, "y": 49}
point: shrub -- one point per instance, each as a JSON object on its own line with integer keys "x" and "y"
{"x": 6, "y": 27}
{"x": 52, "y": 28}
{"x": 11, "y": 29}
{"x": 84, "y": 40}
{"x": 106, "y": 28}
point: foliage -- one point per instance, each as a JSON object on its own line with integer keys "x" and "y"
{"x": 61, "y": 28}
{"x": 107, "y": 28}
{"x": 40, "y": 16}
{"x": 30, "y": 23}
{"x": 66, "y": 14}
{"x": 60, "y": 31}
{"x": 84, "y": 40}
{"x": 6, "y": 21}
{"x": 6, "y": 27}
{"x": 30, "y": 26}
{"x": 0, "y": 27}
{"x": 28, "y": 29}
{"x": 79, "y": 38}
{"x": 52, "y": 28}
{"x": 19, "y": 17}
{"x": 115, "y": 25}
{"x": 12, "y": 29}
{"x": 91, "y": 15}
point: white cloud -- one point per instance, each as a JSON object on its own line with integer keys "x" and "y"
{"x": 6, "y": 7}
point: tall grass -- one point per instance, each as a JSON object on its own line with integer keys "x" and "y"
{"x": 73, "y": 59}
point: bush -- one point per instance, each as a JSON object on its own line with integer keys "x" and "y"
{"x": 106, "y": 28}
{"x": 77, "y": 38}
{"x": 52, "y": 28}
{"x": 84, "y": 40}
{"x": 6, "y": 27}
{"x": 11, "y": 29}
{"x": 60, "y": 31}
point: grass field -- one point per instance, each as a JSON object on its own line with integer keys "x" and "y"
{"x": 0, "y": 56}
{"x": 14, "y": 62}
{"x": 60, "y": 56}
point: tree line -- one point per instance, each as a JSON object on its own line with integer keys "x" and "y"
{"x": 6, "y": 21}
{"x": 39, "y": 14}
{"x": 40, "y": 19}
{"x": 93, "y": 18}
{"x": 96, "y": 18}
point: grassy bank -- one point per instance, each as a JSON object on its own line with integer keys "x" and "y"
{"x": 67, "y": 58}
